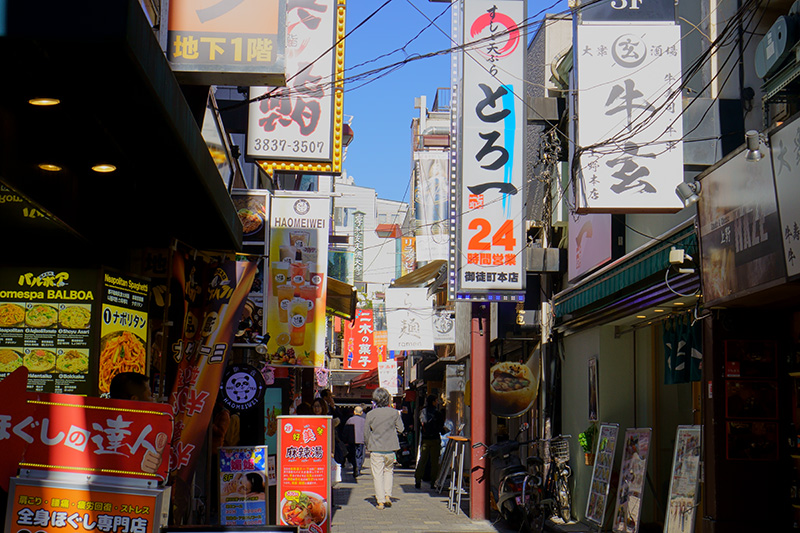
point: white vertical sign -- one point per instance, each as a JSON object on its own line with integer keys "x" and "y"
{"x": 629, "y": 118}
{"x": 387, "y": 376}
{"x": 786, "y": 165}
{"x": 491, "y": 235}
{"x": 409, "y": 319}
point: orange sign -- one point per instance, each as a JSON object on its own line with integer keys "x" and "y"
{"x": 58, "y": 508}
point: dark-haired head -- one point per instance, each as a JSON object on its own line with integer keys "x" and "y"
{"x": 131, "y": 386}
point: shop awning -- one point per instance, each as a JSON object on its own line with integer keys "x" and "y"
{"x": 367, "y": 378}
{"x": 120, "y": 104}
{"x": 433, "y": 275}
{"x": 341, "y": 299}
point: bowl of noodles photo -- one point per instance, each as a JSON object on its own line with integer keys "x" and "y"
{"x": 39, "y": 361}
{"x": 41, "y": 316}
{"x": 252, "y": 221}
{"x": 305, "y": 509}
{"x": 11, "y": 315}
{"x": 120, "y": 351}
{"x": 74, "y": 317}
{"x": 73, "y": 362}
{"x": 10, "y": 360}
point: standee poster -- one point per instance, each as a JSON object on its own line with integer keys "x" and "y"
{"x": 243, "y": 485}
{"x": 304, "y": 472}
{"x": 682, "y": 499}
{"x": 601, "y": 473}
{"x": 632, "y": 474}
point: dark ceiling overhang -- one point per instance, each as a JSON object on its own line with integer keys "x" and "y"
{"x": 120, "y": 104}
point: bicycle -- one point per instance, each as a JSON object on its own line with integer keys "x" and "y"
{"x": 545, "y": 490}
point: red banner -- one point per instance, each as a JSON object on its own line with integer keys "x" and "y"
{"x": 304, "y": 466}
{"x": 71, "y": 433}
{"x": 360, "y": 350}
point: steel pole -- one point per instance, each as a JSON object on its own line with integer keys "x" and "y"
{"x": 479, "y": 385}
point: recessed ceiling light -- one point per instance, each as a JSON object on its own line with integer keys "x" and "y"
{"x": 641, "y": 316}
{"x": 658, "y": 310}
{"x": 678, "y": 303}
{"x": 44, "y": 101}
{"x": 104, "y": 167}
{"x": 49, "y": 167}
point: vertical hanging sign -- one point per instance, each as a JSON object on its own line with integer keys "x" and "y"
{"x": 358, "y": 239}
{"x": 491, "y": 229}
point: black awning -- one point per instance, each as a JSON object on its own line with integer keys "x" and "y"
{"x": 341, "y": 299}
{"x": 120, "y": 104}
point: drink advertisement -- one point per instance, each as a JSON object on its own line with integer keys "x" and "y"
{"x": 304, "y": 468}
{"x": 243, "y": 486}
{"x": 298, "y": 280}
{"x": 46, "y": 317}
{"x": 123, "y": 327}
{"x": 48, "y": 506}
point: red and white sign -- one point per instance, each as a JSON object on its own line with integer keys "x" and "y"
{"x": 305, "y": 444}
{"x": 491, "y": 233}
{"x": 71, "y": 433}
{"x": 360, "y": 350}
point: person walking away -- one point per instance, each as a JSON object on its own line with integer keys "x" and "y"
{"x": 355, "y": 439}
{"x": 431, "y": 427}
{"x": 381, "y": 427}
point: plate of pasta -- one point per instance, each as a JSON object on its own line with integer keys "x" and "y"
{"x": 120, "y": 351}
{"x": 74, "y": 317}
{"x": 41, "y": 316}
{"x": 11, "y": 315}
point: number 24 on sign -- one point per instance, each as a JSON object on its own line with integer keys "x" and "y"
{"x": 504, "y": 236}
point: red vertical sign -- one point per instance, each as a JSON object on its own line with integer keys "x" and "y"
{"x": 360, "y": 352}
{"x": 304, "y": 466}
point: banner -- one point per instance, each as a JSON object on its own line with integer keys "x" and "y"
{"x": 409, "y": 255}
{"x": 360, "y": 351}
{"x": 387, "y": 376}
{"x": 409, "y": 316}
{"x": 214, "y": 290}
{"x": 243, "y": 486}
{"x": 298, "y": 280}
{"x": 444, "y": 326}
{"x": 432, "y": 206}
{"x": 305, "y": 450}
{"x": 492, "y": 232}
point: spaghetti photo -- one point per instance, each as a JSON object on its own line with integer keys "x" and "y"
{"x": 121, "y": 351}
{"x": 11, "y": 315}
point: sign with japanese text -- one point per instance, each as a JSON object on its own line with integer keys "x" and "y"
{"x": 387, "y": 376}
{"x": 297, "y": 122}
{"x": 444, "y": 326}
{"x": 123, "y": 326}
{"x": 741, "y": 239}
{"x": 358, "y": 344}
{"x": 50, "y": 506}
{"x": 48, "y": 325}
{"x": 683, "y": 483}
{"x": 786, "y": 165}
{"x": 214, "y": 293}
{"x": 589, "y": 242}
{"x": 626, "y": 10}
{"x": 491, "y": 234}
{"x": 432, "y": 205}
{"x": 630, "y": 118}
{"x": 70, "y": 433}
{"x": 632, "y": 474}
{"x": 298, "y": 280}
{"x": 243, "y": 486}
{"x": 409, "y": 317}
{"x": 408, "y": 261}
{"x": 600, "y": 485}
{"x": 305, "y": 445}
{"x": 228, "y": 43}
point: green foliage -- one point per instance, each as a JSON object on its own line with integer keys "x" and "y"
{"x": 586, "y": 439}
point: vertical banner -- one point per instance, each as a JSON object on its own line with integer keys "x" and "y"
{"x": 387, "y": 376}
{"x": 298, "y": 280}
{"x": 215, "y": 291}
{"x": 787, "y": 185}
{"x": 359, "y": 343}
{"x": 632, "y": 474}
{"x": 243, "y": 486}
{"x": 297, "y": 122}
{"x": 444, "y": 326}
{"x": 432, "y": 205}
{"x": 123, "y": 326}
{"x": 491, "y": 230}
{"x": 601, "y": 473}
{"x": 629, "y": 109}
{"x": 305, "y": 447}
{"x": 409, "y": 317}
{"x": 683, "y": 483}
{"x": 409, "y": 255}
{"x": 358, "y": 241}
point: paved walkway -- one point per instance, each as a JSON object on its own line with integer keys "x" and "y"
{"x": 413, "y": 510}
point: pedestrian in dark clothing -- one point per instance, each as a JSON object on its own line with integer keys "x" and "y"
{"x": 431, "y": 424}
{"x": 355, "y": 440}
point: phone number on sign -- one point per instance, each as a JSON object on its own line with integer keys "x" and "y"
{"x": 282, "y": 145}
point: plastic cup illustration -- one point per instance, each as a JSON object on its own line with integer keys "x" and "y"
{"x": 299, "y": 238}
{"x": 298, "y": 312}
{"x": 287, "y": 252}
{"x": 298, "y": 273}
{"x": 316, "y": 281}
{"x": 309, "y": 292}
{"x": 285, "y": 295}
{"x": 309, "y": 255}
{"x": 280, "y": 275}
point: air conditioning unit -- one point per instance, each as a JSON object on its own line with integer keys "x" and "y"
{"x": 778, "y": 45}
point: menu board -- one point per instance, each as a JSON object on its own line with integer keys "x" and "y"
{"x": 601, "y": 473}
{"x": 46, "y": 317}
{"x": 123, "y": 327}
{"x": 632, "y": 474}
{"x": 242, "y": 485}
{"x": 681, "y": 503}
{"x": 48, "y": 506}
{"x": 304, "y": 466}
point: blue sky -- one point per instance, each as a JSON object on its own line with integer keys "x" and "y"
{"x": 382, "y": 110}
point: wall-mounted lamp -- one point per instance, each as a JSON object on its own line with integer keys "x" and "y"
{"x": 347, "y": 134}
{"x": 689, "y": 193}
{"x": 754, "y": 140}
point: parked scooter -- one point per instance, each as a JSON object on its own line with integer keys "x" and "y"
{"x": 405, "y": 455}
{"x": 507, "y": 476}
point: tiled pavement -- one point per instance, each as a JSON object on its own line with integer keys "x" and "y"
{"x": 413, "y": 511}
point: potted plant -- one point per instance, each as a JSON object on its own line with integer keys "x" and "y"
{"x": 586, "y": 440}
